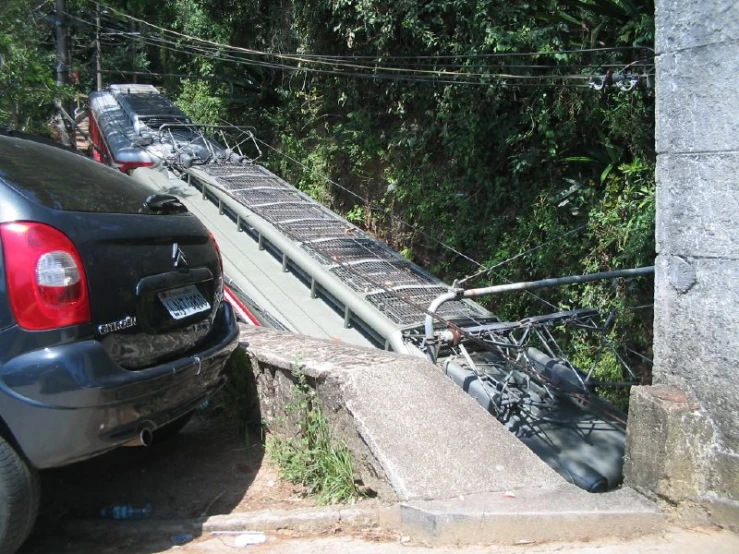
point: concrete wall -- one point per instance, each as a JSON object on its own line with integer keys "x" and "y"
{"x": 413, "y": 433}
{"x": 444, "y": 471}
{"x": 683, "y": 437}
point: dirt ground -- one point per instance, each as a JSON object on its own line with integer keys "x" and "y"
{"x": 205, "y": 470}
{"x": 713, "y": 541}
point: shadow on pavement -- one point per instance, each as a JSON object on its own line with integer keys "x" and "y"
{"x": 205, "y": 470}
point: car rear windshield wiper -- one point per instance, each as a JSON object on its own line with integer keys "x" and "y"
{"x": 164, "y": 204}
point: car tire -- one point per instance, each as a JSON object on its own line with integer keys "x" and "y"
{"x": 19, "y": 498}
{"x": 169, "y": 430}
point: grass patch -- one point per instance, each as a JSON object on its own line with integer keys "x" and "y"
{"x": 313, "y": 457}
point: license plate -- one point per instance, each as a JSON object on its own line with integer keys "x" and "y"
{"x": 184, "y": 302}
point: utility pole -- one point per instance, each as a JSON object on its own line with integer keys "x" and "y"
{"x": 98, "y": 53}
{"x": 62, "y": 61}
{"x": 134, "y": 61}
{"x": 66, "y": 131}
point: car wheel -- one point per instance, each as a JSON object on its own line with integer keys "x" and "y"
{"x": 19, "y": 498}
{"x": 172, "y": 428}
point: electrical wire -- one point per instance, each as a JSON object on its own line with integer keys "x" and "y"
{"x": 443, "y": 76}
{"x": 366, "y": 202}
{"x": 433, "y": 239}
{"x": 215, "y": 52}
{"x": 415, "y": 75}
{"x": 331, "y": 58}
{"x": 178, "y": 47}
{"x": 430, "y": 80}
{"x": 490, "y": 54}
{"x": 519, "y": 255}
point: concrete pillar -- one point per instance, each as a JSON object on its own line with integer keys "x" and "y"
{"x": 683, "y": 435}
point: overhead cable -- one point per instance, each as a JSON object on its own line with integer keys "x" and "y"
{"x": 330, "y": 65}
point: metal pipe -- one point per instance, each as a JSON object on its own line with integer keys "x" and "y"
{"x": 429, "y": 323}
{"x": 555, "y": 282}
{"x": 144, "y": 438}
{"x": 511, "y": 287}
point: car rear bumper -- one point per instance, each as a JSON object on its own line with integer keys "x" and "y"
{"x": 71, "y": 402}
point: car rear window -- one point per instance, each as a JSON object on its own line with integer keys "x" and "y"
{"x": 62, "y": 180}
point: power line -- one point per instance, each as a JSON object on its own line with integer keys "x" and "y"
{"x": 328, "y": 58}
{"x": 375, "y": 76}
{"x": 485, "y": 270}
{"x": 215, "y": 53}
{"x": 338, "y": 66}
{"x": 490, "y": 54}
{"x": 225, "y": 53}
{"x": 500, "y": 80}
{"x": 367, "y": 202}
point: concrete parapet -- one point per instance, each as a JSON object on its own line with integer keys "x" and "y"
{"x": 413, "y": 433}
{"x": 416, "y": 437}
{"x": 673, "y": 453}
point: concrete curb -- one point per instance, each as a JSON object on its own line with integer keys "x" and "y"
{"x": 305, "y": 520}
{"x": 540, "y": 515}
{"x": 531, "y": 515}
{"x": 311, "y": 520}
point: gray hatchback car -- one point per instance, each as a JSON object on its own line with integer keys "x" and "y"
{"x": 113, "y": 326}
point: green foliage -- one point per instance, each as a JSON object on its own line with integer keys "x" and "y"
{"x": 356, "y": 214}
{"x": 202, "y": 102}
{"x": 27, "y": 79}
{"x": 313, "y": 457}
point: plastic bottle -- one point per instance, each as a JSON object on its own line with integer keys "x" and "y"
{"x": 126, "y": 511}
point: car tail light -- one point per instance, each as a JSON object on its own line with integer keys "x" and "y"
{"x": 47, "y": 286}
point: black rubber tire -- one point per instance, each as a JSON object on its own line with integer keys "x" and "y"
{"x": 19, "y": 498}
{"x": 169, "y": 430}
